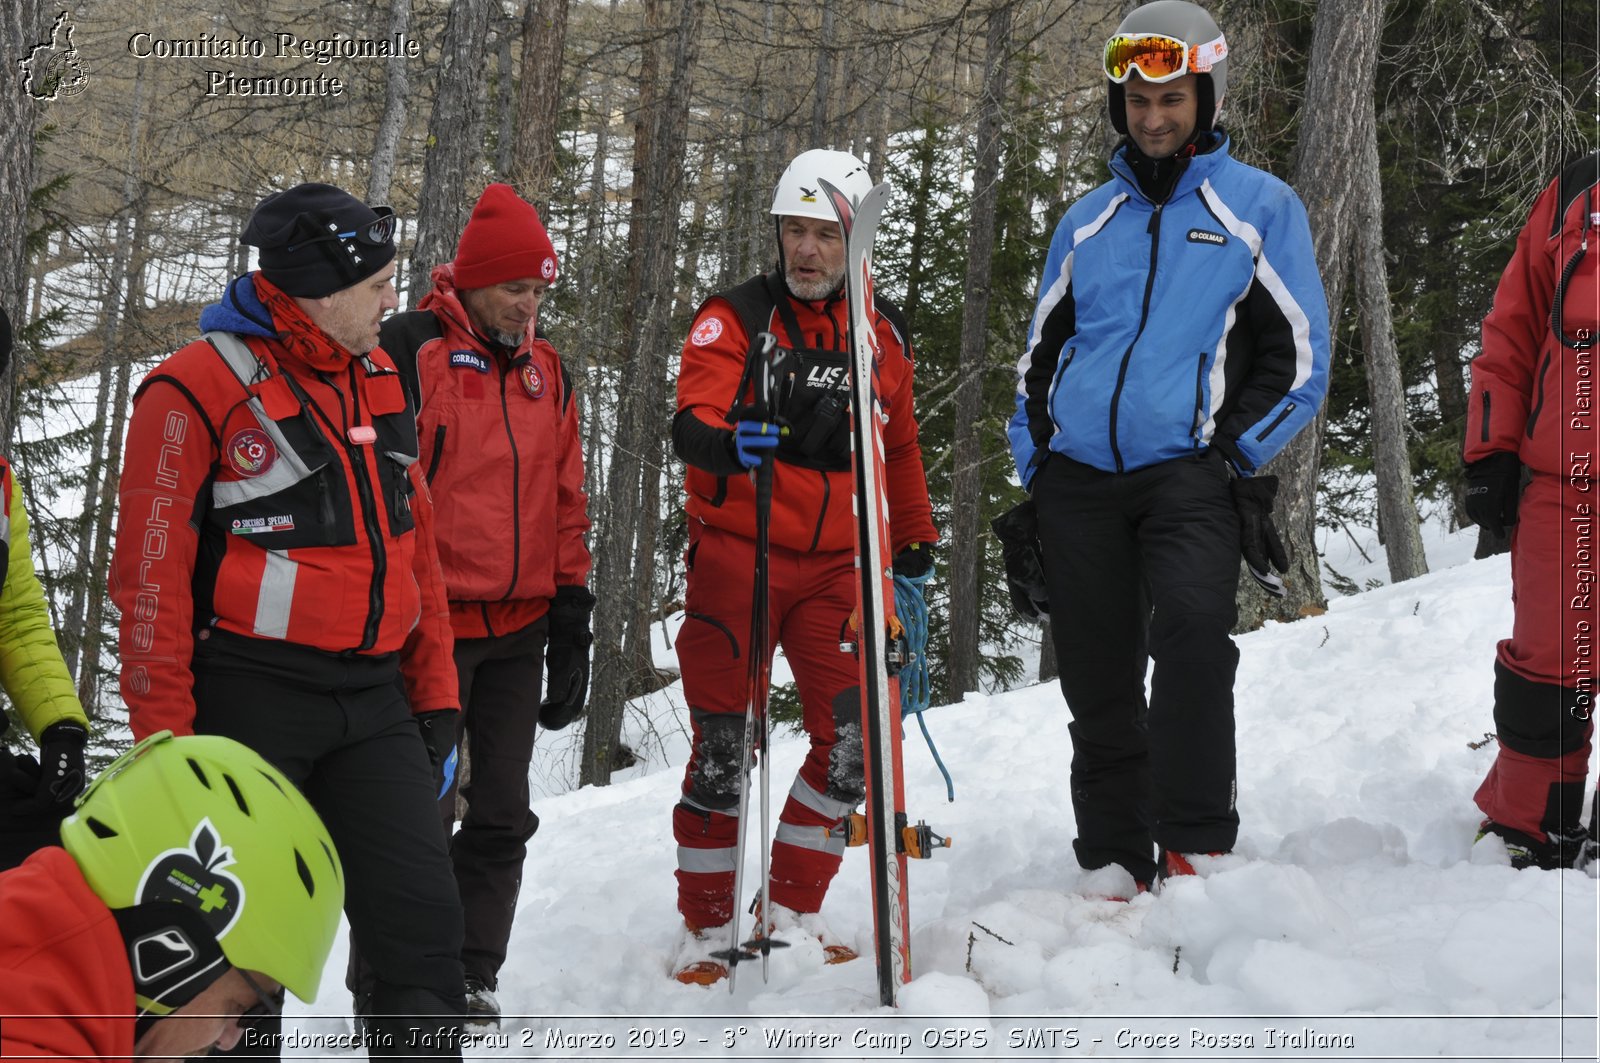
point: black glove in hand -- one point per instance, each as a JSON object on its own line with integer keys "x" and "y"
{"x": 915, "y": 561}
{"x": 438, "y": 729}
{"x": 1494, "y": 488}
{"x": 61, "y": 769}
{"x": 1258, "y": 536}
{"x": 1018, "y": 531}
{"x": 566, "y": 658}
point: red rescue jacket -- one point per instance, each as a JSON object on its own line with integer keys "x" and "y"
{"x": 1532, "y": 395}
{"x": 271, "y": 489}
{"x": 811, "y": 500}
{"x": 67, "y": 988}
{"x": 504, "y": 459}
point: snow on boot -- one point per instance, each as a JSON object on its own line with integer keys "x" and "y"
{"x": 785, "y": 922}
{"x": 1559, "y": 849}
{"x": 483, "y": 1010}
{"x": 1183, "y": 865}
{"x": 1111, "y": 883}
{"x": 693, "y": 963}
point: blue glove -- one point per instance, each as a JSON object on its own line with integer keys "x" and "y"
{"x": 752, "y": 439}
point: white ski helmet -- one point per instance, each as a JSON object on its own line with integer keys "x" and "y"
{"x": 799, "y": 191}
{"x": 1193, "y": 25}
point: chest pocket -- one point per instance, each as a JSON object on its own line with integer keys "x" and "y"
{"x": 290, "y": 489}
{"x": 814, "y": 398}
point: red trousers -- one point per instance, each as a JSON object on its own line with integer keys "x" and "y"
{"x": 811, "y": 596}
{"x": 1545, "y": 672}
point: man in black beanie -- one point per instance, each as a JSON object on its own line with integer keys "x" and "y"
{"x": 277, "y": 579}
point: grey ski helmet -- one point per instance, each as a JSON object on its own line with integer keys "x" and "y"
{"x": 1191, "y": 24}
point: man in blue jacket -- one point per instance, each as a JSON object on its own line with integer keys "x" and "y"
{"x": 1180, "y": 341}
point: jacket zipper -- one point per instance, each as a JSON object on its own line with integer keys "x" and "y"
{"x": 822, "y": 514}
{"x": 516, "y": 481}
{"x": 1484, "y": 435}
{"x": 1199, "y": 398}
{"x": 438, "y": 454}
{"x": 369, "y": 518}
{"x": 1276, "y": 421}
{"x": 1154, "y": 229}
{"x": 1533, "y": 418}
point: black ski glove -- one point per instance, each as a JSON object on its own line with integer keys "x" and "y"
{"x": 566, "y": 658}
{"x": 438, "y": 729}
{"x": 1258, "y": 536}
{"x": 1018, "y": 531}
{"x": 914, "y": 561}
{"x": 61, "y": 769}
{"x": 1494, "y": 488}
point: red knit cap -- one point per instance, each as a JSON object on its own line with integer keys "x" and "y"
{"x": 503, "y": 241}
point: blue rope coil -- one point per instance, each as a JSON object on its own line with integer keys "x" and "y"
{"x": 916, "y": 691}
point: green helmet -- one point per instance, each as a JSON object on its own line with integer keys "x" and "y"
{"x": 205, "y": 822}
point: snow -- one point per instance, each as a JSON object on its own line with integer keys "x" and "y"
{"x": 1354, "y": 907}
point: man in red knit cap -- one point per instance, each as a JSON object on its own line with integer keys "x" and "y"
{"x": 500, "y": 447}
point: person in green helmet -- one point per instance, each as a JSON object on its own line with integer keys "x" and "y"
{"x": 193, "y": 882}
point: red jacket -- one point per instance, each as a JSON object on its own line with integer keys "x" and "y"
{"x": 811, "y": 507}
{"x": 1532, "y": 395}
{"x": 502, "y": 454}
{"x": 290, "y": 508}
{"x": 66, "y": 990}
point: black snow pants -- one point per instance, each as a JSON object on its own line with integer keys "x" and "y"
{"x": 1144, "y": 566}
{"x": 340, "y": 728}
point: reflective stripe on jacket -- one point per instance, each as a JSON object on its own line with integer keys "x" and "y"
{"x": 289, "y": 507}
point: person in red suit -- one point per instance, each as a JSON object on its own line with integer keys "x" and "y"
{"x": 1531, "y": 466}
{"x": 812, "y": 581}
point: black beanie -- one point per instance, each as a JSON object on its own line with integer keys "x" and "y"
{"x": 316, "y": 239}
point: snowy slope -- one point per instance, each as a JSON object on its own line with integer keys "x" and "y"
{"x": 1355, "y": 906}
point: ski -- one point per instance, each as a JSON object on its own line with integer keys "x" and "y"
{"x": 880, "y": 699}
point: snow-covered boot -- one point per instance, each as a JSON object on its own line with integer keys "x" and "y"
{"x": 693, "y": 963}
{"x": 483, "y": 1010}
{"x": 785, "y": 922}
{"x": 1172, "y": 864}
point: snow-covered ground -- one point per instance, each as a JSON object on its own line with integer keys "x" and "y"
{"x": 1355, "y": 921}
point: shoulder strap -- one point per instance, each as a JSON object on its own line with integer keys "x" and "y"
{"x": 897, "y": 320}
{"x": 401, "y": 337}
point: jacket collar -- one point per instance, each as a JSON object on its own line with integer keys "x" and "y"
{"x": 445, "y": 301}
{"x": 1196, "y": 170}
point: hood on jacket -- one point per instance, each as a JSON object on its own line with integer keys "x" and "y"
{"x": 239, "y": 310}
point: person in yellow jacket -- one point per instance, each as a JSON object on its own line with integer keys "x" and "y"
{"x": 34, "y": 794}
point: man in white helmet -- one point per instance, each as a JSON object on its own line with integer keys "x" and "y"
{"x": 812, "y": 583}
{"x": 1180, "y": 341}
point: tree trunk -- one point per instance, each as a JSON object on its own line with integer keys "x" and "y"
{"x": 1391, "y": 459}
{"x": 506, "y": 104}
{"x": 966, "y": 495}
{"x": 80, "y": 640}
{"x": 396, "y": 87}
{"x": 1344, "y": 52}
{"x": 824, "y": 78}
{"x": 544, "y": 34}
{"x": 21, "y": 27}
{"x": 455, "y": 140}
{"x": 625, "y": 553}
{"x": 1049, "y": 668}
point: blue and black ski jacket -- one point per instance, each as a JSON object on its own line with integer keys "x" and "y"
{"x": 1162, "y": 329}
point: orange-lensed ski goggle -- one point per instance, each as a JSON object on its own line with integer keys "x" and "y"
{"x": 1158, "y": 57}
